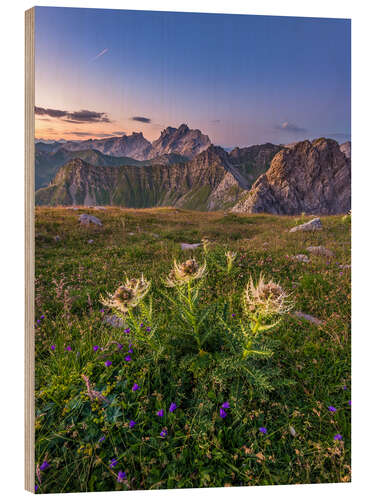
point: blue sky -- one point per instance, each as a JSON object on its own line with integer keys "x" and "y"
{"x": 241, "y": 79}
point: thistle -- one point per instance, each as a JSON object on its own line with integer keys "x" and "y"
{"x": 185, "y": 272}
{"x": 128, "y": 295}
{"x": 266, "y": 299}
{"x": 231, "y": 257}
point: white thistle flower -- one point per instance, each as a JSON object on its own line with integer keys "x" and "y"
{"x": 127, "y": 295}
{"x": 267, "y": 298}
{"x": 185, "y": 272}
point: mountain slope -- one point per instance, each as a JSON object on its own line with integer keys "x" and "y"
{"x": 204, "y": 183}
{"x": 181, "y": 140}
{"x": 311, "y": 177}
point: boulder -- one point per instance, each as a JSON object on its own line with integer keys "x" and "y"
{"x": 308, "y": 317}
{"x": 312, "y": 225}
{"x": 190, "y": 246}
{"x": 320, "y": 251}
{"x": 89, "y": 219}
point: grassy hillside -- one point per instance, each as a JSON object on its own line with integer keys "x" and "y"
{"x": 285, "y": 409}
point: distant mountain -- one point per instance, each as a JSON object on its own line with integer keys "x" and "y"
{"x": 48, "y": 163}
{"x": 204, "y": 183}
{"x": 180, "y": 140}
{"x": 311, "y": 177}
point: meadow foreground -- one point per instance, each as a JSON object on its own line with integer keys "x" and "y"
{"x": 193, "y": 383}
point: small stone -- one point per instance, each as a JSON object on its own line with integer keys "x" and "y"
{"x": 312, "y": 225}
{"x": 87, "y": 219}
{"x": 292, "y": 431}
{"x": 308, "y": 317}
{"x": 190, "y": 246}
{"x": 113, "y": 320}
{"x": 320, "y": 250}
{"x": 90, "y": 241}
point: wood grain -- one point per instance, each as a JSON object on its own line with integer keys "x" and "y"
{"x": 29, "y": 248}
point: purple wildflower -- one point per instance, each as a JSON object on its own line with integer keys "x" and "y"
{"x": 108, "y": 363}
{"x": 101, "y": 439}
{"x": 344, "y": 387}
{"x": 44, "y": 466}
{"x": 225, "y": 404}
{"x": 233, "y": 315}
{"x": 263, "y": 430}
{"x": 338, "y": 437}
{"x": 160, "y": 413}
{"x": 53, "y": 347}
{"x": 95, "y": 348}
{"x": 332, "y": 409}
{"x": 148, "y": 329}
{"x": 36, "y": 488}
{"x": 128, "y": 358}
{"x": 350, "y": 402}
{"x": 135, "y": 387}
{"x": 38, "y": 321}
{"x": 113, "y": 463}
{"x": 172, "y": 407}
{"x": 102, "y": 311}
{"x": 141, "y": 325}
{"x": 42, "y": 316}
{"x": 127, "y": 330}
{"x": 121, "y": 476}
{"x": 164, "y": 433}
{"x": 68, "y": 348}
{"x": 223, "y": 413}
{"x": 132, "y": 424}
{"x": 119, "y": 346}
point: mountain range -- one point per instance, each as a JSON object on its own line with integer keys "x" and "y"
{"x": 183, "y": 168}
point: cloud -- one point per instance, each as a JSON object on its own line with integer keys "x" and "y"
{"x": 141, "y": 119}
{"x": 290, "y": 127}
{"x": 104, "y": 51}
{"x": 215, "y": 121}
{"x": 87, "y": 134}
{"x": 119, "y": 132}
{"x": 54, "y": 113}
{"x": 82, "y": 116}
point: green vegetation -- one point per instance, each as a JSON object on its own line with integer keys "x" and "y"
{"x": 203, "y": 343}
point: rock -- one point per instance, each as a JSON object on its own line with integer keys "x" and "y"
{"x": 346, "y": 148}
{"x": 312, "y": 225}
{"x": 308, "y": 317}
{"x": 113, "y": 320}
{"x": 87, "y": 219}
{"x": 90, "y": 241}
{"x": 311, "y": 177}
{"x": 301, "y": 258}
{"x": 321, "y": 251}
{"x": 190, "y": 246}
{"x": 100, "y": 208}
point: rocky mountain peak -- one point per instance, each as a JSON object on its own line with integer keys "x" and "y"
{"x": 311, "y": 177}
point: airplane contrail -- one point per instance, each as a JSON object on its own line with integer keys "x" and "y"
{"x": 100, "y": 54}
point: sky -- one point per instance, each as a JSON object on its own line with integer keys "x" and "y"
{"x": 241, "y": 80}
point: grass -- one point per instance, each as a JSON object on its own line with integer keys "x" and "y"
{"x": 308, "y": 371}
